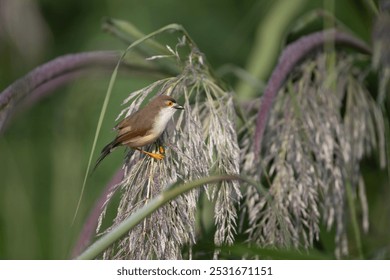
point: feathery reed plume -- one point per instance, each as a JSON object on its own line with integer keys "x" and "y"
{"x": 201, "y": 141}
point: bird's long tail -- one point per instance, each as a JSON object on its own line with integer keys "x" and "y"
{"x": 105, "y": 152}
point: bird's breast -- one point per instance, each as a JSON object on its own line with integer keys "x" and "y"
{"x": 162, "y": 120}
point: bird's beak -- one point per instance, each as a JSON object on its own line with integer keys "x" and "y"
{"x": 177, "y": 106}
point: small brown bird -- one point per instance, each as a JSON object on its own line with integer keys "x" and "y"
{"x": 143, "y": 127}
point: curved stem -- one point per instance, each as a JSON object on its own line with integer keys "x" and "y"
{"x": 291, "y": 57}
{"x": 53, "y": 70}
{"x": 169, "y": 194}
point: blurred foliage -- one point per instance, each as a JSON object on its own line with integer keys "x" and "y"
{"x": 44, "y": 151}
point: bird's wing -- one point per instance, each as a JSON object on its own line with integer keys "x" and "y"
{"x": 124, "y": 123}
{"x": 134, "y": 119}
{"x": 128, "y": 133}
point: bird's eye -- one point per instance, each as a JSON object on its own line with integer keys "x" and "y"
{"x": 169, "y": 103}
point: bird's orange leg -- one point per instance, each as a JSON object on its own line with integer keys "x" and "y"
{"x": 160, "y": 146}
{"x": 161, "y": 149}
{"x": 152, "y": 155}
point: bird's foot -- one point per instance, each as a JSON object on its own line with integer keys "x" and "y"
{"x": 161, "y": 150}
{"x": 153, "y": 155}
{"x": 156, "y": 156}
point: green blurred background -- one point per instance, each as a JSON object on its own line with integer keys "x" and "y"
{"x": 45, "y": 149}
